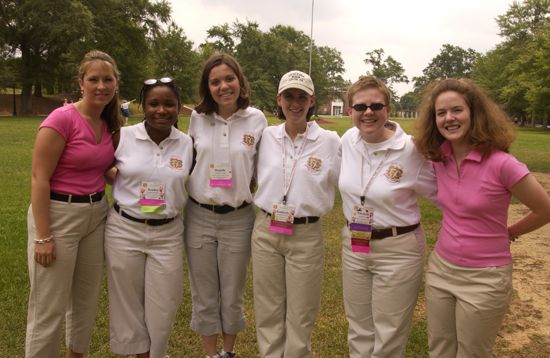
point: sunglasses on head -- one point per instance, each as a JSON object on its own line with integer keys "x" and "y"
{"x": 154, "y": 81}
{"x": 361, "y": 107}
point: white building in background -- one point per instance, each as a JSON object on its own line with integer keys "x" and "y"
{"x": 337, "y": 108}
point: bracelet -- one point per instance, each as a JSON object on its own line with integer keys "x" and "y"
{"x": 44, "y": 240}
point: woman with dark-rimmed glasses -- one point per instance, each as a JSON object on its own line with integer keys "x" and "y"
{"x": 218, "y": 217}
{"x": 381, "y": 181}
{"x": 144, "y": 231}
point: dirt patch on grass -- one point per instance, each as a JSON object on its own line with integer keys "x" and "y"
{"x": 526, "y": 328}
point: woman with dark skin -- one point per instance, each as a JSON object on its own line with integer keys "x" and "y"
{"x": 144, "y": 232}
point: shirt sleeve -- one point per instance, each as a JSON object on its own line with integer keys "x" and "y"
{"x": 512, "y": 171}
{"x": 426, "y": 184}
{"x": 58, "y": 121}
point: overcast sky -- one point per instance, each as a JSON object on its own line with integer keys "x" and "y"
{"x": 411, "y": 31}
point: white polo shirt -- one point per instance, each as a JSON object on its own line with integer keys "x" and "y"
{"x": 313, "y": 184}
{"x": 402, "y": 178}
{"x": 139, "y": 159}
{"x": 233, "y": 140}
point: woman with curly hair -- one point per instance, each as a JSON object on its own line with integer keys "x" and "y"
{"x": 469, "y": 277}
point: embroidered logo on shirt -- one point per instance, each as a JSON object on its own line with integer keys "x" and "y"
{"x": 175, "y": 163}
{"x": 249, "y": 139}
{"x": 394, "y": 173}
{"x": 314, "y": 164}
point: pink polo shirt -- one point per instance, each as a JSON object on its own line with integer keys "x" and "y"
{"x": 474, "y": 201}
{"x": 80, "y": 168}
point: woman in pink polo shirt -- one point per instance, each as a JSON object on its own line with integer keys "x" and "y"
{"x": 66, "y": 220}
{"x": 469, "y": 277}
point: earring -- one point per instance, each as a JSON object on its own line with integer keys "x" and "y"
{"x": 82, "y": 92}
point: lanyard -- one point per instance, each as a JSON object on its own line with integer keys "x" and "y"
{"x": 286, "y": 185}
{"x": 374, "y": 175}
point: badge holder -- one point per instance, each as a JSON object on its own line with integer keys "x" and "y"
{"x": 220, "y": 175}
{"x": 282, "y": 219}
{"x": 361, "y": 228}
{"x": 152, "y": 197}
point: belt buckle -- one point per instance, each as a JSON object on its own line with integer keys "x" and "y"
{"x": 90, "y": 196}
{"x": 146, "y": 221}
{"x": 394, "y": 231}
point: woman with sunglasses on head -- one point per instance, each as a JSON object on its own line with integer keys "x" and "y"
{"x": 144, "y": 231}
{"x": 469, "y": 277}
{"x": 381, "y": 180}
{"x": 298, "y": 165}
{"x": 218, "y": 217}
{"x": 66, "y": 219}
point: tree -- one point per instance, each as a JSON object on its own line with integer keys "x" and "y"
{"x": 39, "y": 32}
{"x": 126, "y": 30}
{"x": 517, "y": 71}
{"x": 451, "y": 62}
{"x": 173, "y": 56}
{"x": 266, "y": 56}
{"x": 521, "y": 21}
{"x": 387, "y": 69}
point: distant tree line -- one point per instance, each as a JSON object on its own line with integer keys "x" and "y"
{"x": 42, "y": 41}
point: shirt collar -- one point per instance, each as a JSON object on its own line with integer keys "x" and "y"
{"x": 447, "y": 152}
{"x": 312, "y": 133}
{"x": 395, "y": 142}
{"x": 141, "y": 132}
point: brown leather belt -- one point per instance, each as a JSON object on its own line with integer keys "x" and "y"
{"x": 379, "y": 234}
{"x": 220, "y": 209}
{"x": 302, "y": 220}
{"x": 69, "y": 198}
{"x": 151, "y": 222}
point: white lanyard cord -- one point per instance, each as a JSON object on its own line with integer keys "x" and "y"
{"x": 374, "y": 175}
{"x": 286, "y": 186}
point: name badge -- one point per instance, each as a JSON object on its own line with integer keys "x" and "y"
{"x": 282, "y": 218}
{"x": 152, "y": 197}
{"x": 220, "y": 175}
{"x": 361, "y": 228}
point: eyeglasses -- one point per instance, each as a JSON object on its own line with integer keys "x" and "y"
{"x": 361, "y": 107}
{"x": 154, "y": 81}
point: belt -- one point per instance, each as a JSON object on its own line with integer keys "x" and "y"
{"x": 69, "y": 198}
{"x": 220, "y": 209}
{"x": 151, "y": 222}
{"x": 302, "y": 220}
{"x": 379, "y": 234}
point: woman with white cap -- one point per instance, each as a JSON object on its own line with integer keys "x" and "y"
{"x": 298, "y": 166}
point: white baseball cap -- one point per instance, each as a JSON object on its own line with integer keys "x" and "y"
{"x": 296, "y": 79}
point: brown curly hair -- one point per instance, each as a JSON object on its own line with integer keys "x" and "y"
{"x": 490, "y": 129}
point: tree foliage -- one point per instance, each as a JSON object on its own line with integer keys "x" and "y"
{"x": 266, "y": 56}
{"x": 385, "y": 68}
{"x": 451, "y": 62}
{"x": 517, "y": 71}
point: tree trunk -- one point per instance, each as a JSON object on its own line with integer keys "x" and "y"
{"x": 38, "y": 89}
{"x": 26, "y": 80}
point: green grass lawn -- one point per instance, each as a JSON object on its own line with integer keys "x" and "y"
{"x": 329, "y": 337}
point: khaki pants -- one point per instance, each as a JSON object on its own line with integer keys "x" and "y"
{"x": 288, "y": 274}
{"x": 465, "y": 306}
{"x": 218, "y": 252}
{"x": 145, "y": 270}
{"x": 380, "y": 292}
{"x": 69, "y": 288}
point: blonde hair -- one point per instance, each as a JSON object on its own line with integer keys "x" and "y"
{"x": 366, "y": 82}
{"x": 490, "y": 129}
{"x": 111, "y": 112}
